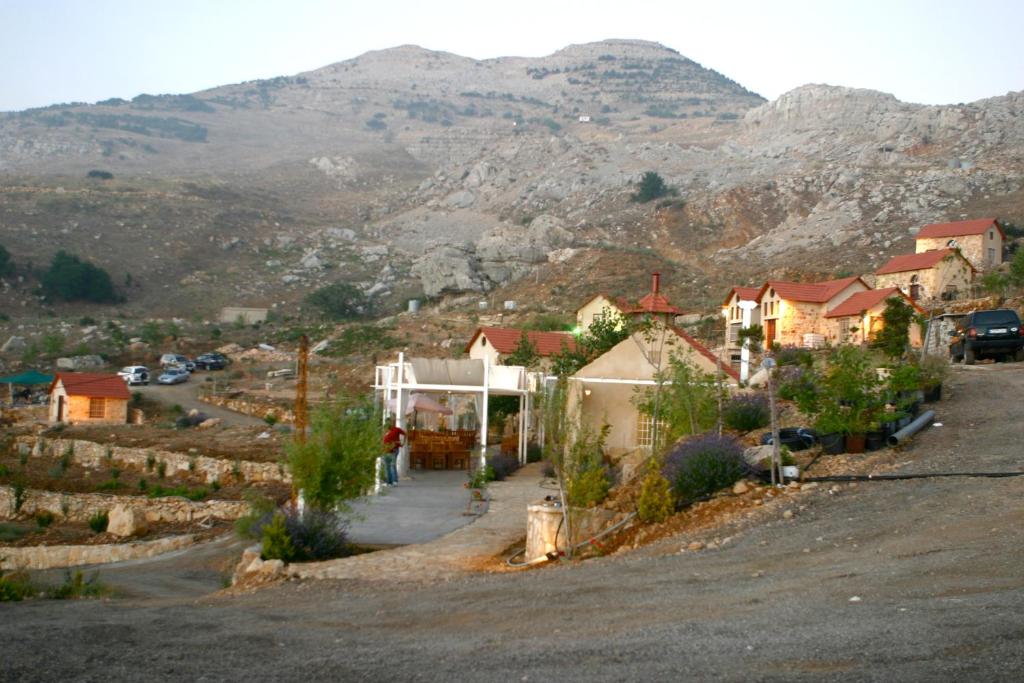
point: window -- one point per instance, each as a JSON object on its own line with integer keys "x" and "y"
{"x": 844, "y": 330}
{"x": 97, "y": 408}
{"x": 645, "y": 430}
{"x": 991, "y": 255}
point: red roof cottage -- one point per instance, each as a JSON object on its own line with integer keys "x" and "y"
{"x": 86, "y": 397}
{"x": 492, "y": 343}
{"x": 929, "y": 275}
{"x": 980, "y": 240}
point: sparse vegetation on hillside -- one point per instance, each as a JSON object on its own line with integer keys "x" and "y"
{"x": 652, "y": 186}
{"x": 340, "y": 301}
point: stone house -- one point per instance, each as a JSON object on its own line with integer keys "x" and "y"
{"x": 738, "y": 316}
{"x": 859, "y": 318}
{"x": 88, "y": 398}
{"x": 980, "y": 240}
{"x": 602, "y": 392}
{"x": 493, "y": 344}
{"x": 928, "y": 276}
{"x": 793, "y": 313}
{"x": 600, "y": 306}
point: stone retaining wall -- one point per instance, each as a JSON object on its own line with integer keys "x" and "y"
{"x": 250, "y": 406}
{"x": 51, "y": 556}
{"x": 95, "y": 455}
{"x": 79, "y": 507}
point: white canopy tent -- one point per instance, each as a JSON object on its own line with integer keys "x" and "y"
{"x": 395, "y": 382}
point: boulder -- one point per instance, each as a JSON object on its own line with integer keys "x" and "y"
{"x": 755, "y": 455}
{"x": 80, "y": 362}
{"x": 740, "y": 487}
{"x": 13, "y": 344}
{"x": 208, "y": 424}
{"x": 125, "y": 520}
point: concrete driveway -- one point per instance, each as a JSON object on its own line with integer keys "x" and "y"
{"x": 426, "y": 506}
{"x": 186, "y": 395}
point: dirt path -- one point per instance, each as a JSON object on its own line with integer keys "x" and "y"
{"x": 911, "y": 580}
{"x": 186, "y": 395}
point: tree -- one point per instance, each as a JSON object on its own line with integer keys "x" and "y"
{"x": 524, "y": 354}
{"x": 340, "y": 301}
{"x": 338, "y": 461}
{"x": 605, "y": 332}
{"x": 896, "y": 319}
{"x": 71, "y": 279}
{"x": 685, "y": 401}
{"x": 652, "y": 186}
{"x": 6, "y": 266}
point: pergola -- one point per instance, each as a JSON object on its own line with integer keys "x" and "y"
{"x": 395, "y": 382}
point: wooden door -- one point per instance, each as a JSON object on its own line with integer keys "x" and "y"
{"x": 60, "y": 408}
{"x": 769, "y": 333}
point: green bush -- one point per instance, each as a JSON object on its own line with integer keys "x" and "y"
{"x": 11, "y": 532}
{"x": 652, "y": 186}
{"x": 701, "y": 466}
{"x": 655, "y": 501}
{"x": 261, "y": 510}
{"x": 44, "y": 518}
{"x": 71, "y": 279}
{"x": 588, "y": 488}
{"x": 77, "y": 586}
{"x": 277, "y": 544}
{"x": 98, "y": 522}
{"x": 340, "y": 301}
{"x": 746, "y": 412}
{"x": 15, "y": 586}
{"x": 534, "y": 453}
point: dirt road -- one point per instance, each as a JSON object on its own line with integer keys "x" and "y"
{"x": 185, "y": 395}
{"x": 909, "y": 580}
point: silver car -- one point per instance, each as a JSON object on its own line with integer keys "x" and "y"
{"x": 134, "y": 374}
{"x": 173, "y": 376}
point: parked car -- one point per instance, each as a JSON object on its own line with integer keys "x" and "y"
{"x": 987, "y": 334}
{"x": 173, "y": 376}
{"x": 134, "y": 374}
{"x": 176, "y": 359}
{"x": 211, "y": 361}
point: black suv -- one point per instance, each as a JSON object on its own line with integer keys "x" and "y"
{"x": 980, "y": 334}
{"x": 211, "y": 361}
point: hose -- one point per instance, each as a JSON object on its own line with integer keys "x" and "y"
{"x": 900, "y": 477}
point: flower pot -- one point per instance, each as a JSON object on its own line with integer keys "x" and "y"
{"x": 933, "y": 393}
{"x": 855, "y": 443}
{"x": 875, "y": 440}
{"x": 790, "y": 472}
{"x": 831, "y": 443}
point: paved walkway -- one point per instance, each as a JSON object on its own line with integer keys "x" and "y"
{"x": 458, "y": 552}
{"x": 420, "y": 509}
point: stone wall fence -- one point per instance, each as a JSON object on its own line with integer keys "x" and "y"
{"x": 250, "y": 406}
{"x": 51, "y": 556}
{"x": 79, "y": 507}
{"x": 97, "y": 455}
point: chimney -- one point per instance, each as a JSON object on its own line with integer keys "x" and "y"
{"x": 655, "y": 282}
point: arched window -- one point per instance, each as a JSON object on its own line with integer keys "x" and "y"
{"x": 915, "y": 288}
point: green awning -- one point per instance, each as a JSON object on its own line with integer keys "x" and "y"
{"x": 26, "y": 378}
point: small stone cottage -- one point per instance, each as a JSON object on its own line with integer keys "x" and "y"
{"x": 493, "y": 344}
{"x": 793, "y": 313}
{"x": 859, "y": 318}
{"x": 89, "y": 398}
{"x": 940, "y": 274}
{"x": 980, "y": 240}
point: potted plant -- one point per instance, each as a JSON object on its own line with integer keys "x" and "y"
{"x": 934, "y": 371}
{"x": 831, "y": 428}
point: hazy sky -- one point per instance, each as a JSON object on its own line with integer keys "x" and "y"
{"x": 934, "y": 51}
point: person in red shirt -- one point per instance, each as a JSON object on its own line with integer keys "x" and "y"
{"x": 393, "y": 441}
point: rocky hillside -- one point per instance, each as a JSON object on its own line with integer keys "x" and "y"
{"x": 413, "y": 172}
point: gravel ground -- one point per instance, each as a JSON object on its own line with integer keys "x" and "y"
{"x": 909, "y": 580}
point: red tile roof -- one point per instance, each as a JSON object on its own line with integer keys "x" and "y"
{"x": 506, "y": 339}
{"x": 703, "y": 350}
{"x": 977, "y": 226}
{"x": 92, "y": 384}
{"x": 744, "y": 293}
{"x": 655, "y": 302}
{"x": 809, "y": 292}
{"x": 865, "y": 301}
{"x": 924, "y": 260}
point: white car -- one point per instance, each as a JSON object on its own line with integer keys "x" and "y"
{"x": 169, "y": 360}
{"x": 173, "y": 376}
{"x": 134, "y": 374}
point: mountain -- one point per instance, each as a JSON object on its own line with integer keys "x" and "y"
{"x": 412, "y": 172}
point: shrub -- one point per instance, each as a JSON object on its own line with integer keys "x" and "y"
{"x": 271, "y": 419}
{"x": 340, "y": 301}
{"x": 703, "y": 465}
{"x": 588, "y": 488}
{"x": 161, "y": 469}
{"x": 98, "y": 522}
{"x": 316, "y": 535}
{"x": 77, "y": 586}
{"x": 503, "y": 465}
{"x": 277, "y": 544}
{"x": 150, "y": 462}
{"x": 215, "y": 484}
{"x": 652, "y": 186}
{"x": 534, "y": 453}
{"x": 182, "y": 491}
{"x": 15, "y": 586}
{"x": 746, "y": 412}
{"x": 655, "y": 501}
{"x": 261, "y": 510}
{"x": 19, "y": 495}
{"x": 11, "y": 532}
{"x": 143, "y": 484}
{"x": 71, "y": 279}
{"x": 44, "y": 518}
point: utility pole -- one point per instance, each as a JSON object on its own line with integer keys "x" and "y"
{"x": 301, "y": 387}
